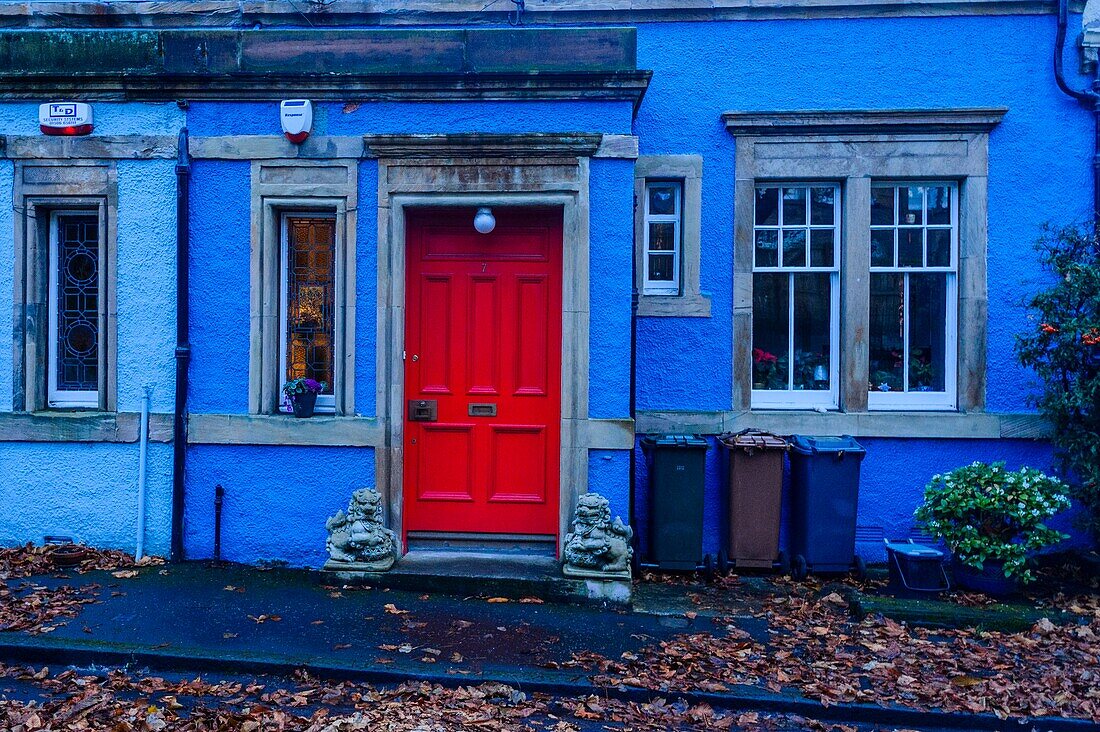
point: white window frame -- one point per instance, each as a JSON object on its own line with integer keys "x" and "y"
{"x": 791, "y": 398}
{"x": 326, "y": 403}
{"x": 906, "y": 400}
{"x": 664, "y": 287}
{"x": 57, "y": 397}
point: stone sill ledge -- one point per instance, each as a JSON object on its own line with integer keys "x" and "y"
{"x": 955, "y": 425}
{"x": 607, "y": 434}
{"x": 231, "y": 13}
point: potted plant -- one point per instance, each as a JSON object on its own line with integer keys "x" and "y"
{"x": 301, "y": 395}
{"x": 992, "y": 520}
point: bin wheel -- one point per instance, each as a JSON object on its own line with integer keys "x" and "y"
{"x": 723, "y": 563}
{"x": 859, "y": 568}
{"x": 799, "y": 569}
{"x": 708, "y": 568}
{"x": 784, "y": 563}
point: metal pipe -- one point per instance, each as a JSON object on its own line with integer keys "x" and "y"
{"x": 633, "y": 480}
{"x": 143, "y": 454}
{"x": 183, "y": 345}
{"x": 1087, "y": 98}
{"x": 219, "y": 498}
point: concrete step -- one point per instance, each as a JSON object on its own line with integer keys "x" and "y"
{"x": 477, "y": 574}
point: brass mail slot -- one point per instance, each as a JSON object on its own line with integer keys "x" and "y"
{"x": 423, "y": 410}
{"x": 482, "y": 410}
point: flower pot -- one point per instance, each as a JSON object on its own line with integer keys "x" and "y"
{"x": 990, "y": 579}
{"x": 303, "y": 404}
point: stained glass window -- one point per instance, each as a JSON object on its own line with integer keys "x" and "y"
{"x": 310, "y": 267}
{"x": 75, "y": 292}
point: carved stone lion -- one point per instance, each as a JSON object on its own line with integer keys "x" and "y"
{"x": 597, "y": 547}
{"x": 359, "y": 536}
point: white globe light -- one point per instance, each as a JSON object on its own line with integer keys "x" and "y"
{"x": 484, "y": 221}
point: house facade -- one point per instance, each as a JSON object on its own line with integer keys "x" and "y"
{"x": 515, "y": 241}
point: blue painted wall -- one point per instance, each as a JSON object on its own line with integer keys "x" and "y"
{"x": 277, "y": 499}
{"x": 84, "y": 490}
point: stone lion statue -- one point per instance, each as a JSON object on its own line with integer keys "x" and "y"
{"x": 597, "y": 546}
{"x": 359, "y": 535}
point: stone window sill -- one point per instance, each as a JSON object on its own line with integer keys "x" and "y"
{"x": 957, "y": 425}
{"x": 81, "y": 426}
{"x": 283, "y": 429}
{"x": 674, "y": 306}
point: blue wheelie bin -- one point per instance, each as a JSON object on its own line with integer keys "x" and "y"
{"x": 824, "y": 496}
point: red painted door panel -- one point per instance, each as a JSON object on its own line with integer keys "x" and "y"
{"x": 483, "y": 332}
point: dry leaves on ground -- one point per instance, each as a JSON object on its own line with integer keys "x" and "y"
{"x": 122, "y": 703}
{"x": 37, "y": 609}
{"x": 814, "y": 647}
{"x": 28, "y": 560}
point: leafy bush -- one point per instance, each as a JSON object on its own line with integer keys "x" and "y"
{"x": 983, "y": 512}
{"x": 1064, "y": 350}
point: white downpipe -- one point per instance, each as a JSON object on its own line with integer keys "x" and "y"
{"x": 143, "y": 452}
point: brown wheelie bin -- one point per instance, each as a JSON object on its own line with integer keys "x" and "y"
{"x": 756, "y": 461}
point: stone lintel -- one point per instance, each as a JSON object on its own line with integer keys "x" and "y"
{"x": 449, "y": 146}
{"x": 863, "y": 121}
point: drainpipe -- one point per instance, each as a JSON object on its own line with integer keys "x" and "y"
{"x": 183, "y": 345}
{"x": 143, "y": 453}
{"x": 633, "y": 382}
{"x": 1086, "y": 98}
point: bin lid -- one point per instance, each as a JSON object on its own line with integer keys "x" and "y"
{"x": 753, "y": 439}
{"x": 916, "y": 551}
{"x": 818, "y": 444}
{"x": 683, "y": 442}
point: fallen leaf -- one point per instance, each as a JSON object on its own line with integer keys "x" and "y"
{"x": 125, "y": 573}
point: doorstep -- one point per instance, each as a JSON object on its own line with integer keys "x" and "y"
{"x": 490, "y": 574}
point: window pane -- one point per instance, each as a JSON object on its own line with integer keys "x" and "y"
{"x": 794, "y": 206}
{"x": 662, "y": 236}
{"x": 77, "y": 360}
{"x": 311, "y": 299}
{"x": 939, "y": 247}
{"x": 821, "y": 205}
{"x": 910, "y": 247}
{"x": 767, "y": 249}
{"x": 939, "y": 205}
{"x": 812, "y": 303}
{"x": 882, "y": 247}
{"x": 927, "y": 331}
{"x": 662, "y": 200}
{"x": 794, "y": 248}
{"x": 767, "y": 207}
{"x": 882, "y": 206}
{"x": 887, "y": 342}
{"x": 770, "y": 305}
{"x": 910, "y": 201}
{"x": 660, "y": 267}
{"x": 821, "y": 247}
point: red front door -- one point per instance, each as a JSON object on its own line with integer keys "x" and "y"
{"x": 483, "y": 343}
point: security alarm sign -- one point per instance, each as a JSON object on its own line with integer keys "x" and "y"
{"x": 65, "y": 118}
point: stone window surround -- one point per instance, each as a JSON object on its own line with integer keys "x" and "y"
{"x": 41, "y": 187}
{"x": 278, "y": 186}
{"x": 854, "y": 148}
{"x": 687, "y": 169}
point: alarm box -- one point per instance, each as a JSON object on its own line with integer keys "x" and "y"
{"x": 65, "y": 118}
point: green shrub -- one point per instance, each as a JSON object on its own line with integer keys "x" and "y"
{"x": 983, "y": 512}
{"x": 1063, "y": 347}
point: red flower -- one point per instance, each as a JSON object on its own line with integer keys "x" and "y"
{"x": 1047, "y": 328}
{"x": 759, "y": 355}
